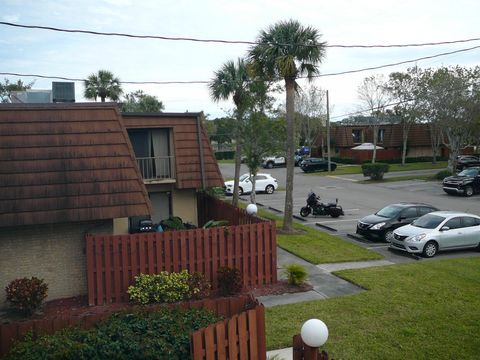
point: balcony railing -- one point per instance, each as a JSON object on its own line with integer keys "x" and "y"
{"x": 157, "y": 168}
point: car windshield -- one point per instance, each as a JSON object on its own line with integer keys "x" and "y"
{"x": 468, "y": 172}
{"x": 389, "y": 211}
{"x": 244, "y": 177}
{"x": 428, "y": 221}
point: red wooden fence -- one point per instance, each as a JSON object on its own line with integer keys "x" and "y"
{"x": 225, "y": 307}
{"x": 114, "y": 261}
{"x": 240, "y": 337}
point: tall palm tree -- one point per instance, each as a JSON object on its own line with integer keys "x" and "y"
{"x": 287, "y": 51}
{"x": 104, "y": 85}
{"x": 232, "y": 81}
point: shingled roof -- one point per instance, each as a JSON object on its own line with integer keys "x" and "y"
{"x": 66, "y": 163}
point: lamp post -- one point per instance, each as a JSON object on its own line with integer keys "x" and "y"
{"x": 314, "y": 333}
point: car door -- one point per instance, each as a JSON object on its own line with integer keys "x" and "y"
{"x": 246, "y": 185}
{"x": 471, "y": 229}
{"x": 453, "y": 237}
{"x": 407, "y": 215}
{"x": 260, "y": 182}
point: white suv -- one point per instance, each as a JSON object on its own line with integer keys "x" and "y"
{"x": 263, "y": 182}
{"x": 436, "y": 231}
{"x": 272, "y": 161}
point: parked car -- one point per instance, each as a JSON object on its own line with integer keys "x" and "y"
{"x": 465, "y": 161}
{"x": 263, "y": 182}
{"x": 316, "y": 164}
{"x": 380, "y": 226}
{"x": 466, "y": 182}
{"x": 273, "y": 161}
{"x": 437, "y": 231}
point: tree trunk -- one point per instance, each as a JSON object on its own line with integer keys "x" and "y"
{"x": 375, "y": 136}
{"x": 252, "y": 194}
{"x": 288, "y": 213}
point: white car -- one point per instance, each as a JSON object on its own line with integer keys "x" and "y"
{"x": 273, "y": 161}
{"x": 263, "y": 182}
{"x": 436, "y": 231}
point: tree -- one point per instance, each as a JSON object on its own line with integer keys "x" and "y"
{"x": 232, "y": 81}
{"x": 138, "y": 101}
{"x": 104, "y": 85}
{"x": 287, "y": 51}
{"x": 404, "y": 90}
{"x": 373, "y": 93}
{"x": 7, "y": 87}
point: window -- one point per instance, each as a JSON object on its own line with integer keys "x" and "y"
{"x": 357, "y": 135}
{"x": 381, "y": 135}
{"x": 424, "y": 210}
{"x": 470, "y": 221}
{"x": 260, "y": 177}
{"x": 454, "y": 223}
{"x": 409, "y": 213}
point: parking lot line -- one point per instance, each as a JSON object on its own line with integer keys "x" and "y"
{"x": 342, "y": 178}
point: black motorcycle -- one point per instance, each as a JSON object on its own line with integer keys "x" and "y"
{"x": 315, "y": 206}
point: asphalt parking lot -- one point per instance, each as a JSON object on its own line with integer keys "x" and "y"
{"x": 358, "y": 200}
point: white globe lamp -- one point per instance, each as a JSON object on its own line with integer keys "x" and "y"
{"x": 252, "y": 209}
{"x": 314, "y": 333}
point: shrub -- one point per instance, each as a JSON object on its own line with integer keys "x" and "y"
{"x": 164, "y": 334}
{"x": 26, "y": 295}
{"x": 375, "y": 171}
{"x": 159, "y": 288}
{"x": 296, "y": 274}
{"x": 172, "y": 223}
{"x": 229, "y": 281}
{"x": 199, "y": 286}
{"x": 443, "y": 174}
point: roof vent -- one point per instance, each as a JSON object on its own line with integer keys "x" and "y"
{"x": 63, "y": 91}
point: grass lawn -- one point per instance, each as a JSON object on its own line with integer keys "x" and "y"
{"x": 357, "y": 169}
{"x": 424, "y": 310}
{"x": 318, "y": 247}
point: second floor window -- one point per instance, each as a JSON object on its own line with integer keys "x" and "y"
{"x": 357, "y": 136}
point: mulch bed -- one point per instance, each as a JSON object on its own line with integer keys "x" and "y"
{"x": 78, "y": 306}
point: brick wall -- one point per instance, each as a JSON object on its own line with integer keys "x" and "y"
{"x": 54, "y": 252}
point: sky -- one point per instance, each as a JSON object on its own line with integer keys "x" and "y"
{"x": 341, "y": 22}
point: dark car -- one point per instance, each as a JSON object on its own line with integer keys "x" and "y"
{"x": 465, "y": 161}
{"x": 316, "y": 164}
{"x": 380, "y": 225}
{"x": 466, "y": 182}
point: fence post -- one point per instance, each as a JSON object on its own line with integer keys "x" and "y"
{"x": 302, "y": 351}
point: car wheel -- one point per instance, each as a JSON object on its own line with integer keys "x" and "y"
{"x": 430, "y": 249}
{"x": 269, "y": 189}
{"x": 388, "y": 236}
{"x": 240, "y": 191}
{"x": 305, "y": 211}
{"x": 468, "y": 191}
{"x": 269, "y": 165}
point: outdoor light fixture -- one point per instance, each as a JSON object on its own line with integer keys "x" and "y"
{"x": 314, "y": 333}
{"x": 252, "y": 209}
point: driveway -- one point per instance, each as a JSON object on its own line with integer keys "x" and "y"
{"x": 359, "y": 200}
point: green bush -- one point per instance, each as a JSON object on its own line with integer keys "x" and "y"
{"x": 443, "y": 174}
{"x": 296, "y": 274}
{"x": 173, "y": 223}
{"x": 26, "y": 295}
{"x": 199, "y": 286}
{"x": 375, "y": 171}
{"x": 164, "y": 334}
{"x": 229, "y": 281}
{"x": 225, "y": 155}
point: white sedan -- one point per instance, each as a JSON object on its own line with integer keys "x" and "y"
{"x": 263, "y": 182}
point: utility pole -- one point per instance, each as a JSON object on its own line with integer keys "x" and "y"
{"x": 328, "y": 135}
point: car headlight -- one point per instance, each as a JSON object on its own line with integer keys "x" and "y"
{"x": 377, "y": 226}
{"x": 418, "y": 237}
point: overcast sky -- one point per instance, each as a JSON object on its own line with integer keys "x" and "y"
{"x": 342, "y": 22}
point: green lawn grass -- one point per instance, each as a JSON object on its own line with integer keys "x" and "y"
{"x": 318, "y": 247}
{"x": 357, "y": 169}
{"x": 425, "y": 310}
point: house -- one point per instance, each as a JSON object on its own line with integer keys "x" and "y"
{"x": 389, "y": 137}
{"x": 175, "y": 158}
{"x": 65, "y": 170}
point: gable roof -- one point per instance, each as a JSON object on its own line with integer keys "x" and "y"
{"x": 196, "y": 166}
{"x": 67, "y": 163}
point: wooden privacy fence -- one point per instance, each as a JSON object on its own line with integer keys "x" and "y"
{"x": 240, "y": 337}
{"x": 226, "y": 307}
{"x": 114, "y": 261}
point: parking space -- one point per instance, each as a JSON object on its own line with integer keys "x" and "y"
{"x": 358, "y": 200}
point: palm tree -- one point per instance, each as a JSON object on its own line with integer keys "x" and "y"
{"x": 287, "y": 51}
{"x": 104, "y": 85}
{"x": 232, "y": 80}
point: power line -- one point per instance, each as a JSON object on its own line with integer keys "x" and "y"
{"x": 243, "y": 42}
